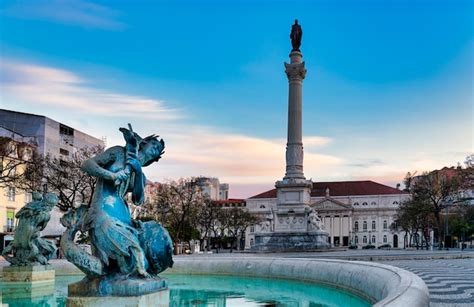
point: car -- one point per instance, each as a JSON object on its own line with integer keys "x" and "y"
{"x": 385, "y": 246}
{"x": 353, "y": 247}
{"x": 368, "y": 247}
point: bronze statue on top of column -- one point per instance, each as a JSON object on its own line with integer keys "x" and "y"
{"x": 295, "y": 35}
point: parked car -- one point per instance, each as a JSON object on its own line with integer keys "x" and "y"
{"x": 385, "y": 246}
{"x": 353, "y": 247}
{"x": 368, "y": 247}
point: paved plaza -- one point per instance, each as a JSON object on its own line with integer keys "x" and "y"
{"x": 450, "y": 281}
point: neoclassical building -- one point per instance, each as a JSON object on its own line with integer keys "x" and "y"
{"x": 353, "y": 212}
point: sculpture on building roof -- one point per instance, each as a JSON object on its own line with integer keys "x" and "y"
{"x": 295, "y": 35}
{"x": 121, "y": 246}
{"x": 27, "y": 247}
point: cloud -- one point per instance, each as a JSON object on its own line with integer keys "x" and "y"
{"x": 71, "y": 12}
{"x": 53, "y": 87}
{"x": 191, "y": 149}
{"x": 235, "y": 158}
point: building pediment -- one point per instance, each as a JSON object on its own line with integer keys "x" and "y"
{"x": 330, "y": 204}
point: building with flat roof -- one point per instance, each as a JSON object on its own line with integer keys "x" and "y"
{"x": 53, "y": 138}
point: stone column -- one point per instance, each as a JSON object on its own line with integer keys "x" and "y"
{"x": 295, "y": 72}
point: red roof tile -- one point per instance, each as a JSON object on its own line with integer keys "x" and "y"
{"x": 343, "y": 188}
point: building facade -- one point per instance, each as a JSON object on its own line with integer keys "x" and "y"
{"x": 352, "y": 212}
{"x": 49, "y": 137}
{"x": 15, "y": 150}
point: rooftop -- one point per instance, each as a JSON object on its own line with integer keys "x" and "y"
{"x": 343, "y": 188}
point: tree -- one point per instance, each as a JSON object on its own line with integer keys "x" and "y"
{"x": 413, "y": 217}
{"x": 14, "y": 157}
{"x": 177, "y": 205}
{"x": 236, "y": 221}
{"x": 207, "y": 221}
{"x": 63, "y": 177}
{"x": 433, "y": 191}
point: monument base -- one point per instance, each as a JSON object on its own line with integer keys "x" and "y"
{"x": 290, "y": 241}
{"x": 27, "y": 285}
{"x": 159, "y": 299}
{"x": 30, "y": 273}
{"x": 116, "y": 285}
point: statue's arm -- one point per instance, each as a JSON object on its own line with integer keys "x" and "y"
{"x": 97, "y": 166}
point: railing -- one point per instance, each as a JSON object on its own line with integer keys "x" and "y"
{"x": 7, "y": 228}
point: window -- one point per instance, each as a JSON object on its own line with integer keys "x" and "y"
{"x": 364, "y": 239}
{"x": 384, "y": 238}
{"x": 10, "y": 219}
{"x": 364, "y": 226}
{"x": 364, "y": 204}
{"x": 64, "y": 152}
{"x": 373, "y": 203}
{"x": 356, "y": 204}
{"x": 262, "y": 207}
{"x": 385, "y": 225}
{"x": 373, "y": 239}
{"x": 356, "y": 240}
{"x": 252, "y": 228}
{"x": 356, "y": 226}
{"x": 11, "y": 193}
{"x": 395, "y": 202}
{"x": 373, "y": 225}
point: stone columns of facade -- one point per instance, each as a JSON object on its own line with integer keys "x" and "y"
{"x": 295, "y": 72}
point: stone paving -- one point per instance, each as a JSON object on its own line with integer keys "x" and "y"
{"x": 450, "y": 281}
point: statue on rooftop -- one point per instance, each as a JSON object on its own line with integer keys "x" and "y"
{"x": 121, "y": 246}
{"x": 27, "y": 247}
{"x": 295, "y": 35}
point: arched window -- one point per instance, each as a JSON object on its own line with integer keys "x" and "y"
{"x": 364, "y": 226}
{"x": 262, "y": 206}
{"x": 364, "y": 204}
{"x": 373, "y": 203}
{"x": 385, "y": 225}
{"x": 373, "y": 239}
{"x": 364, "y": 239}
{"x": 356, "y": 226}
{"x": 356, "y": 204}
{"x": 395, "y": 202}
{"x": 356, "y": 240}
{"x": 384, "y": 238}
{"x": 373, "y": 225}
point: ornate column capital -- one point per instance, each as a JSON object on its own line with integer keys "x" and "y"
{"x": 295, "y": 71}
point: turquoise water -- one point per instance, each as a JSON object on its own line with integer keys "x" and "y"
{"x": 210, "y": 290}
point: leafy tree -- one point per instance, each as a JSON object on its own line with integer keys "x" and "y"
{"x": 177, "y": 205}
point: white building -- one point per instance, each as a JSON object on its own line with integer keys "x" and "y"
{"x": 353, "y": 212}
{"x": 213, "y": 188}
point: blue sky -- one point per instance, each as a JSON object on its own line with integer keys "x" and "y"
{"x": 388, "y": 88}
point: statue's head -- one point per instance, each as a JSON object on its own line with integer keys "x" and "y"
{"x": 151, "y": 148}
{"x": 51, "y": 199}
{"x": 296, "y": 21}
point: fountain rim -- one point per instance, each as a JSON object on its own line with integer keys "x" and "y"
{"x": 380, "y": 284}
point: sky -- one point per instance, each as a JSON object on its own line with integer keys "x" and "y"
{"x": 388, "y": 89}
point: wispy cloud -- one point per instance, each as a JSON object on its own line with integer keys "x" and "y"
{"x": 53, "y": 87}
{"x": 71, "y": 12}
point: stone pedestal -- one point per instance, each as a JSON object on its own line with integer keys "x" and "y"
{"x": 118, "y": 290}
{"x": 28, "y": 285}
{"x": 32, "y": 273}
{"x": 291, "y": 241}
{"x": 158, "y": 299}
